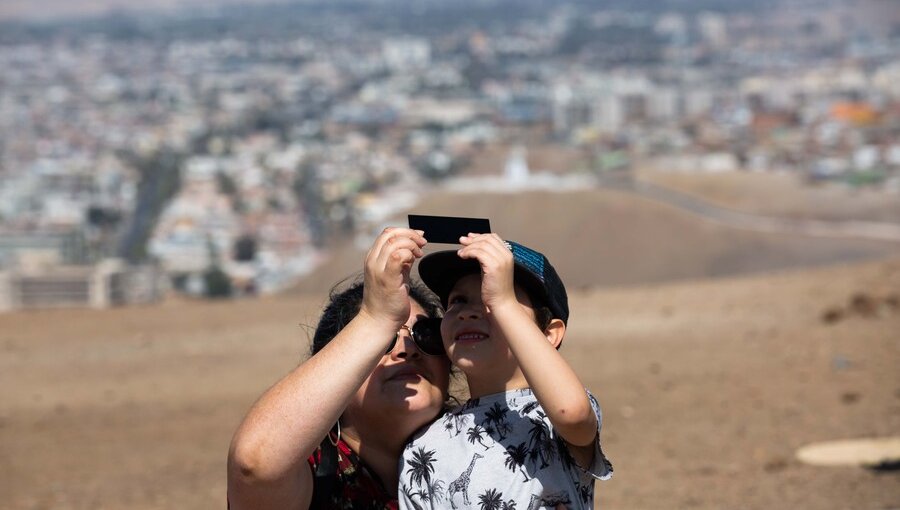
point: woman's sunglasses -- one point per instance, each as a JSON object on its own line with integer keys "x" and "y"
{"x": 426, "y": 333}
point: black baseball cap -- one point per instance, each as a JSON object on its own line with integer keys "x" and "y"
{"x": 441, "y": 270}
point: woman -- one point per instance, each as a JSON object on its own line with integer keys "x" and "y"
{"x": 366, "y": 389}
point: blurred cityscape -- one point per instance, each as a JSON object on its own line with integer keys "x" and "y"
{"x": 223, "y": 151}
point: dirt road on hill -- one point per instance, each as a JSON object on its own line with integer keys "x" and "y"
{"x": 844, "y": 229}
{"x": 707, "y": 389}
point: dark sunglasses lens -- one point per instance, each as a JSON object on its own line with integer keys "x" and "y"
{"x": 427, "y": 335}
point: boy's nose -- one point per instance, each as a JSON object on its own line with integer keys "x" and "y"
{"x": 469, "y": 312}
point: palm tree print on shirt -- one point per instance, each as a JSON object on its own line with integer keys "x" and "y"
{"x": 475, "y": 434}
{"x": 411, "y": 495}
{"x": 585, "y": 491}
{"x": 554, "y": 500}
{"x": 490, "y": 500}
{"x": 516, "y": 457}
{"x": 472, "y": 403}
{"x": 493, "y": 500}
{"x": 540, "y": 444}
{"x": 527, "y": 408}
{"x": 454, "y": 423}
{"x": 495, "y": 420}
{"x": 421, "y": 467}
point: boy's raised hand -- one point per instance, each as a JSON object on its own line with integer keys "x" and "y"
{"x": 496, "y": 261}
{"x": 387, "y": 267}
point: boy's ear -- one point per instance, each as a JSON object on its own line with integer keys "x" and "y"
{"x": 555, "y": 332}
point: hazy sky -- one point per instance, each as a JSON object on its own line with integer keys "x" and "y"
{"x": 875, "y": 11}
{"x": 48, "y": 9}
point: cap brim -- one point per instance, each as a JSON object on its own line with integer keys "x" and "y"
{"x": 441, "y": 270}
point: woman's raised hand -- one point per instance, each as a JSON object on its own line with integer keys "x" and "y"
{"x": 387, "y": 267}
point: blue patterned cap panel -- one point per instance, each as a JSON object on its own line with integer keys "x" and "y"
{"x": 528, "y": 258}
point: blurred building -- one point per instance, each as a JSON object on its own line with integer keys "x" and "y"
{"x": 403, "y": 54}
{"x": 36, "y": 285}
{"x": 68, "y": 246}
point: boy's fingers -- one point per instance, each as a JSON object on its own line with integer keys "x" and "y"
{"x": 486, "y": 257}
{"x": 495, "y": 241}
{"x": 492, "y": 238}
{"x": 491, "y": 244}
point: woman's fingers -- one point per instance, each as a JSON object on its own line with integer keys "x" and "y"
{"x": 398, "y": 243}
{"x": 391, "y": 240}
{"x": 389, "y": 236}
{"x": 387, "y": 267}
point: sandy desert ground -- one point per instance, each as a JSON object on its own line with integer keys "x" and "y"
{"x": 709, "y": 385}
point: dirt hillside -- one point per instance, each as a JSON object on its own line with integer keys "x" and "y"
{"x": 609, "y": 238}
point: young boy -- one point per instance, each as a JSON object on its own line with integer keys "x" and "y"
{"x": 528, "y": 437}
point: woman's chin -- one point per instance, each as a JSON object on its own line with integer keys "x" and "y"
{"x": 424, "y": 402}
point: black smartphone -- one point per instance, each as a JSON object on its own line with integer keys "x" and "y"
{"x": 448, "y": 229}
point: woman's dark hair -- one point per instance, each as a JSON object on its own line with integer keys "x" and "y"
{"x": 343, "y": 305}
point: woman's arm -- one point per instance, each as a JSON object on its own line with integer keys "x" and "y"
{"x": 267, "y": 465}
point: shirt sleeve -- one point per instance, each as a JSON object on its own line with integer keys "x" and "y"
{"x": 600, "y": 468}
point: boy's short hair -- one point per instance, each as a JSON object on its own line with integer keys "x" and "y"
{"x": 441, "y": 270}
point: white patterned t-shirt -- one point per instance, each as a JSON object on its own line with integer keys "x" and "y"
{"x": 499, "y": 451}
